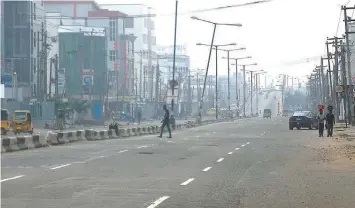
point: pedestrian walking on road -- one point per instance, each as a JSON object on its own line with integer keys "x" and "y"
{"x": 321, "y": 118}
{"x": 165, "y": 122}
{"x": 330, "y": 118}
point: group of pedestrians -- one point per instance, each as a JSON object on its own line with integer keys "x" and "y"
{"x": 327, "y": 121}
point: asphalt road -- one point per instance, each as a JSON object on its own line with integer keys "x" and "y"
{"x": 247, "y": 163}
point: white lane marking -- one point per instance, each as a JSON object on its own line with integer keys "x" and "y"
{"x": 158, "y": 201}
{"x": 61, "y": 166}
{"x": 187, "y": 182}
{"x": 220, "y": 159}
{"x": 237, "y": 148}
{"x": 242, "y": 145}
{"x": 248, "y": 142}
{"x": 142, "y": 147}
{"x": 207, "y": 134}
{"x": 122, "y": 151}
{"x": 229, "y": 153}
{"x": 206, "y": 169}
{"x": 13, "y": 178}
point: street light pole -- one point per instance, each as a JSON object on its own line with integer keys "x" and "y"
{"x": 216, "y": 82}
{"x": 244, "y": 86}
{"x": 173, "y": 83}
{"x": 251, "y": 92}
{"x": 229, "y": 95}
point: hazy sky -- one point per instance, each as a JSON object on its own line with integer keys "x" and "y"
{"x": 274, "y": 33}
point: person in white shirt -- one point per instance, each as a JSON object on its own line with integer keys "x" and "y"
{"x": 321, "y": 118}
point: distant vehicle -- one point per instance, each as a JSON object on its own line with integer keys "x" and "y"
{"x": 267, "y": 113}
{"x": 303, "y": 119}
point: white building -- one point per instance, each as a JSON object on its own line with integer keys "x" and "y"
{"x": 143, "y": 28}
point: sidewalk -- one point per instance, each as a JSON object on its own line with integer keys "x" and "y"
{"x": 337, "y": 151}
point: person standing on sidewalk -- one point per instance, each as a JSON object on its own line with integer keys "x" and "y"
{"x": 321, "y": 118}
{"x": 165, "y": 122}
{"x": 330, "y": 118}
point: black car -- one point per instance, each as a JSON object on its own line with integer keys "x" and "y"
{"x": 303, "y": 119}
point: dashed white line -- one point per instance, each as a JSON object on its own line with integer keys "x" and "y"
{"x": 142, "y": 147}
{"x": 229, "y": 153}
{"x": 220, "y": 159}
{"x": 158, "y": 201}
{"x": 242, "y": 145}
{"x": 187, "y": 182}
{"x": 61, "y": 166}
{"x": 206, "y": 169}
{"x": 122, "y": 151}
{"x": 12, "y": 178}
{"x": 237, "y": 148}
{"x": 248, "y": 142}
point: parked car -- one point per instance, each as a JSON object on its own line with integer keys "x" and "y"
{"x": 303, "y": 119}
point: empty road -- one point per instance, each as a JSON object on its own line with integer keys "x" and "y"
{"x": 248, "y": 163}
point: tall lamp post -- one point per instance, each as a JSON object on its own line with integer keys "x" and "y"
{"x": 257, "y": 88}
{"x": 229, "y": 50}
{"x": 251, "y": 89}
{"x": 244, "y": 85}
{"x": 216, "y": 49}
{"x": 210, "y": 51}
{"x": 236, "y": 81}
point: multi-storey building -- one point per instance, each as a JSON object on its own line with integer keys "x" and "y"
{"x": 23, "y": 51}
{"x": 119, "y": 48}
{"x": 140, "y": 24}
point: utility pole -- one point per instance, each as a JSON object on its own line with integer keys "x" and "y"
{"x": 50, "y": 77}
{"x": 56, "y": 75}
{"x": 251, "y": 92}
{"x": 236, "y": 86}
{"x": 229, "y": 95}
{"x": 244, "y": 86}
{"x": 349, "y": 82}
{"x": 343, "y": 69}
{"x": 256, "y": 92}
{"x": 216, "y": 82}
{"x": 174, "y": 57}
{"x": 332, "y": 89}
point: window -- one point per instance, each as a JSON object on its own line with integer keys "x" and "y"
{"x": 113, "y": 29}
{"x": 34, "y": 11}
{"x": 113, "y": 55}
{"x": 152, "y": 25}
{"x": 34, "y": 66}
{"x": 145, "y": 38}
{"x": 129, "y": 22}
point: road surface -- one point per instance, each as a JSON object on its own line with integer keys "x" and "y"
{"x": 253, "y": 162}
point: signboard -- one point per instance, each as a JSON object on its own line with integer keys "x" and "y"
{"x": 88, "y": 79}
{"x": 61, "y": 80}
{"x": 6, "y": 80}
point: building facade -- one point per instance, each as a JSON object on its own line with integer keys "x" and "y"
{"x": 23, "y": 51}
{"x": 139, "y": 24}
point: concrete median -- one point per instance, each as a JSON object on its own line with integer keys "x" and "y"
{"x": 12, "y": 144}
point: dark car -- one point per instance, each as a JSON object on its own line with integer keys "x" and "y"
{"x": 303, "y": 119}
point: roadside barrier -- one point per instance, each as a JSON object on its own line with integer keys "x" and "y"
{"x": 11, "y": 144}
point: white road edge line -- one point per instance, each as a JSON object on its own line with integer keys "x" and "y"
{"x": 61, "y": 166}
{"x": 141, "y": 147}
{"x": 229, "y": 153}
{"x": 187, "y": 182}
{"x": 158, "y": 201}
{"x": 237, "y": 148}
{"x": 13, "y": 178}
{"x": 206, "y": 169}
{"x": 122, "y": 151}
{"x": 220, "y": 159}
